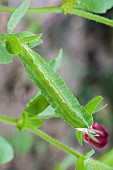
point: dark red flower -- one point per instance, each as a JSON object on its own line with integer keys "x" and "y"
{"x": 102, "y": 136}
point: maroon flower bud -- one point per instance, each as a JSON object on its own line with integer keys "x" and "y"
{"x": 101, "y": 136}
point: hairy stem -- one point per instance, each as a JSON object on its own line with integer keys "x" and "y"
{"x": 54, "y": 142}
{"x": 59, "y": 9}
{"x": 43, "y": 135}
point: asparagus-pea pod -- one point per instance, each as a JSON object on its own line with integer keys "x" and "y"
{"x": 52, "y": 86}
{"x": 54, "y": 89}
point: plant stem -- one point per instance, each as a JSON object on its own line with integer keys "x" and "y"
{"x": 54, "y": 142}
{"x": 6, "y": 119}
{"x": 40, "y": 10}
{"x": 53, "y": 9}
{"x": 58, "y": 9}
{"x": 43, "y": 135}
{"x": 91, "y": 16}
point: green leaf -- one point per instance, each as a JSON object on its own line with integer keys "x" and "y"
{"x": 80, "y": 164}
{"x": 89, "y": 154}
{"x": 17, "y": 16}
{"x": 79, "y": 136}
{"x": 6, "y": 151}
{"x": 5, "y": 57}
{"x": 99, "y": 108}
{"x": 35, "y": 43}
{"x": 49, "y": 112}
{"x": 37, "y": 104}
{"x": 90, "y": 107}
{"x": 34, "y": 121}
{"x": 54, "y": 89}
{"x": 29, "y": 38}
{"x": 55, "y": 64}
{"x": 32, "y": 40}
{"x": 12, "y": 44}
{"x": 24, "y": 34}
{"x": 28, "y": 35}
{"x": 96, "y": 6}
